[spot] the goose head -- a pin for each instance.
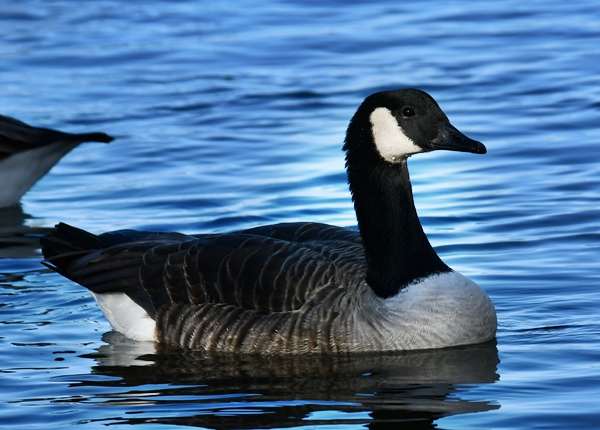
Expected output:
(393, 125)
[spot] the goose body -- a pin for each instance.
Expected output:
(27, 153)
(298, 287)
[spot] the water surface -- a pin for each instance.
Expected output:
(230, 116)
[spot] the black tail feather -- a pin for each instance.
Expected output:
(94, 137)
(15, 136)
(66, 244)
(66, 240)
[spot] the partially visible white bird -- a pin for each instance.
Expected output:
(27, 153)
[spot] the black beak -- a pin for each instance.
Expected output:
(453, 140)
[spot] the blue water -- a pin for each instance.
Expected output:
(230, 115)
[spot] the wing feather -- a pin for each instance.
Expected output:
(268, 269)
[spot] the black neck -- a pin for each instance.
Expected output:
(396, 247)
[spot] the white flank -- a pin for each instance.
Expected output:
(126, 316)
(390, 140)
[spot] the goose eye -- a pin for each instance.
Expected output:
(408, 112)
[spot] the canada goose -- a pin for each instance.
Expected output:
(298, 287)
(27, 153)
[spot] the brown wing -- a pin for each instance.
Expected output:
(268, 269)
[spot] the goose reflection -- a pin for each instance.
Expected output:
(17, 239)
(411, 389)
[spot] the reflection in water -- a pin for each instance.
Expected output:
(18, 240)
(233, 391)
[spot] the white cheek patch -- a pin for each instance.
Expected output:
(390, 140)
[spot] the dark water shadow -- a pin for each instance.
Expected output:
(17, 240)
(399, 390)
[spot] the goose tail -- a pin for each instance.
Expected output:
(66, 244)
(66, 238)
(94, 137)
(72, 253)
